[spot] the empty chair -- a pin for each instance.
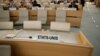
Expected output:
(42, 15)
(62, 5)
(23, 15)
(60, 26)
(6, 25)
(32, 25)
(45, 4)
(29, 5)
(60, 15)
(52, 5)
(4, 15)
(5, 50)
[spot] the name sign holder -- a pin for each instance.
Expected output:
(47, 37)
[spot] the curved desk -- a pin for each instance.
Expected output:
(70, 44)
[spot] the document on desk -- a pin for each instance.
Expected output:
(49, 36)
(38, 36)
(5, 33)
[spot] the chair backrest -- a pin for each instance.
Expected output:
(1, 7)
(73, 9)
(52, 5)
(4, 15)
(61, 5)
(34, 8)
(49, 8)
(6, 25)
(42, 15)
(32, 25)
(12, 9)
(45, 4)
(22, 9)
(60, 15)
(40, 8)
(29, 5)
(5, 50)
(23, 12)
(23, 15)
(60, 26)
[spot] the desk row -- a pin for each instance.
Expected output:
(49, 11)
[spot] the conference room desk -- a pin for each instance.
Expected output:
(69, 43)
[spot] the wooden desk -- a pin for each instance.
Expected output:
(29, 47)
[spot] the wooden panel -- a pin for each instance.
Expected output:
(74, 21)
(74, 13)
(97, 3)
(14, 19)
(50, 19)
(84, 39)
(22, 48)
(33, 18)
(86, 42)
(32, 12)
(14, 13)
(33, 48)
(51, 13)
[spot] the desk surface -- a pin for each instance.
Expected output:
(66, 37)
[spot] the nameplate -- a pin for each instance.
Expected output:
(12, 8)
(10, 36)
(48, 37)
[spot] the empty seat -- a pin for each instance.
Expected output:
(45, 4)
(32, 25)
(62, 5)
(60, 26)
(29, 5)
(5, 50)
(52, 5)
(4, 15)
(23, 15)
(6, 25)
(60, 15)
(42, 15)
